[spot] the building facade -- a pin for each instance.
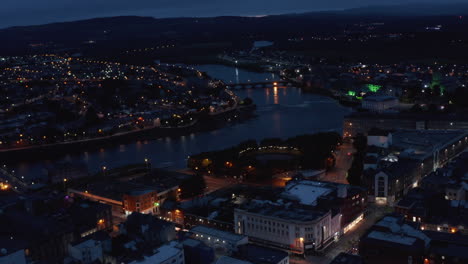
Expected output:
(287, 226)
(380, 103)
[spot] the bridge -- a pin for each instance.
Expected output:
(259, 84)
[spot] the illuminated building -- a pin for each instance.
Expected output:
(227, 241)
(286, 226)
(380, 103)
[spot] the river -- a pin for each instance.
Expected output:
(281, 112)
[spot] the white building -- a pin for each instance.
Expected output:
(172, 253)
(306, 192)
(86, 251)
(379, 138)
(219, 239)
(380, 103)
(287, 226)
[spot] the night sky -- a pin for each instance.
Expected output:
(30, 12)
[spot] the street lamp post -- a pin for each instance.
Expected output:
(147, 164)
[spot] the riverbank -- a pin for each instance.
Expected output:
(204, 123)
(284, 112)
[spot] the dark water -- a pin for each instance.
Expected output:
(281, 112)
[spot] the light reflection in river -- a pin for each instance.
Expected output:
(290, 113)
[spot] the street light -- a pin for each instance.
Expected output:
(147, 164)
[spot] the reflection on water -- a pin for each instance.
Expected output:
(281, 112)
(235, 75)
(275, 95)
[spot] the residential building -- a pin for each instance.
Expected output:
(12, 251)
(379, 138)
(413, 155)
(87, 251)
(262, 255)
(344, 258)
(148, 228)
(197, 252)
(144, 194)
(171, 253)
(392, 241)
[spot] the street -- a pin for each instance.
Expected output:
(349, 240)
(344, 158)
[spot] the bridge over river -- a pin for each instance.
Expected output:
(247, 85)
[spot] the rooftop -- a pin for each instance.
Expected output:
(344, 258)
(390, 237)
(261, 255)
(217, 233)
(424, 142)
(229, 260)
(162, 254)
(307, 192)
(285, 212)
(86, 244)
(402, 230)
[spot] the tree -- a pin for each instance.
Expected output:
(357, 167)
(356, 170)
(271, 142)
(416, 108)
(360, 143)
(91, 117)
(247, 101)
(192, 186)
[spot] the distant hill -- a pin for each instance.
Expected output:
(421, 9)
(120, 33)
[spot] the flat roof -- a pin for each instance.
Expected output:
(402, 230)
(261, 255)
(229, 260)
(232, 237)
(284, 212)
(424, 142)
(307, 192)
(345, 258)
(163, 253)
(191, 242)
(390, 237)
(86, 243)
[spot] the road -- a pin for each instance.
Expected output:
(349, 240)
(344, 159)
(215, 183)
